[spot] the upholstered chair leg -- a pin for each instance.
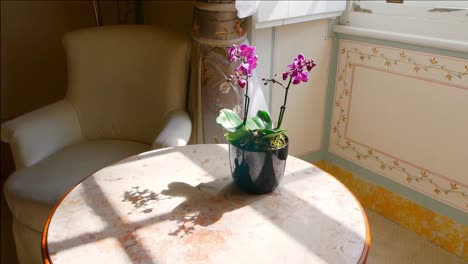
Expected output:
(28, 244)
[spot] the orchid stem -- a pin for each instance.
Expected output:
(283, 107)
(247, 102)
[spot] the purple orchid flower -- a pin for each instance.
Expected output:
(242, 83)
(233, 53)
(244, 69)
(296, 69)
(300, 77)
(245, 54)
(246, 51)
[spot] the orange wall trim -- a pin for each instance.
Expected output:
(438, 229)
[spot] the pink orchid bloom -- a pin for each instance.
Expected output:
(296, 69)
(233, 53)
(244, 69)
(246, 54)
(246, 51)
(300, 77)
(310, 64)
(241, 83)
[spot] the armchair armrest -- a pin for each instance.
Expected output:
(176, 131)
(36, 135)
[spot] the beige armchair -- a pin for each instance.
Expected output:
(127, 88)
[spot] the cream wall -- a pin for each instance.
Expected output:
(32, 63)
(33, 66)
(175, 15)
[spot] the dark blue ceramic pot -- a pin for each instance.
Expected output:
(257, 171)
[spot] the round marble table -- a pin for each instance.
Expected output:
(179, 205)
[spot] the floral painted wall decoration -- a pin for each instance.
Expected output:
(404, 67)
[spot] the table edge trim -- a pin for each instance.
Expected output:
(367, 242)
(44, 249)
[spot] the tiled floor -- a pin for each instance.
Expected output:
(393, 244)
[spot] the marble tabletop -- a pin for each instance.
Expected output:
(179, 205)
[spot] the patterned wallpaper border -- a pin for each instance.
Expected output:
(423, 66)
(346, 136)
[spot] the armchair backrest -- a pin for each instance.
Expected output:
(123, 80)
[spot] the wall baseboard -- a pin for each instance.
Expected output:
(439, 229)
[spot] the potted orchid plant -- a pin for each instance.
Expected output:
(258, 148)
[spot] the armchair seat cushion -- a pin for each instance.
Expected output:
(32, 192)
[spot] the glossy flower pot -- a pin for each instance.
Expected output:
(257, 171)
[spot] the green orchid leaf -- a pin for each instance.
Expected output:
(280, 130)
(265, 119)
(266, 131)
(251, 125)
(260, 124)
(271, 133)
(229, 120)
(238, 135)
